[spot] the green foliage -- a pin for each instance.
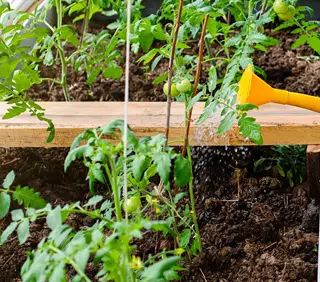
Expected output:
(289, 161)
(8, 181)
(144, 153)
(157, 272)
(182, 171)
(146, 157)
(15, 82)
(4, 204)
(65, 248)
(22, 195)
(250, 129)
(28, 197)
(98, 55)
(102, 149)
(308, 30)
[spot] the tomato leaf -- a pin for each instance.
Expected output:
(7, 182)
(59, 273)
(182, 171)
(113, 72)
(54, 218)
(28, 197)
(7, 232)
(184, 238)
(68, 34)
(250, 129)
(146, 39)
(246, 107)
(163, 163)
(139, 165)
(226, 123)
(23, 231)
(300, 41)
(4, 204)
(161, 78)
(156, 271)
(314, 43)
(93, 201)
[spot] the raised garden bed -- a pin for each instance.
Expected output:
(268, 234)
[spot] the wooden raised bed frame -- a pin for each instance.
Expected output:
(280, 125)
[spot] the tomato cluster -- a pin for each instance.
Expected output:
(182, 86)
(284, 10)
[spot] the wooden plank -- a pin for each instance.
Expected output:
(313, 171)
(280, 124)
(34, 5)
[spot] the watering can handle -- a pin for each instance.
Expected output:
(296, 99)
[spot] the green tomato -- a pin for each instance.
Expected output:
(174, 91)
(280, 7)
(133, 204)
(288, 16)
(184, 86)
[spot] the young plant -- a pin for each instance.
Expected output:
(60, 35)
(289, 162)
(148, 157)
(98, 54)
(108, 243)
(19, 64)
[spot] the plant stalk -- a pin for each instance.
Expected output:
(71, 262)
(61, 53)
(209, 49)
(196, 83)
(85, 23)
(193, 205)
(115, 189)
(170, 70)
(63, 72)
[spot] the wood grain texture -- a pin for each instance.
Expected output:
(280, 124)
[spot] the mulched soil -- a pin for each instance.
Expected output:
(270, 235)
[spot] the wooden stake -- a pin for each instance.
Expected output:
(196, 83)
(313, 171)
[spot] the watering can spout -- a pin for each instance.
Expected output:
(253, 90)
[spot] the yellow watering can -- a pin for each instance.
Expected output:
(253, 90)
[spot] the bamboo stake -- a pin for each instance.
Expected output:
(196, 83)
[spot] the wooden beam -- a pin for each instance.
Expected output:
(313, 171)
(280, 124)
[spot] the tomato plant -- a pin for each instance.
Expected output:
(113, 253)
(234, 30)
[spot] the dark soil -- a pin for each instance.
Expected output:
(270, 235)
(266, 237)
